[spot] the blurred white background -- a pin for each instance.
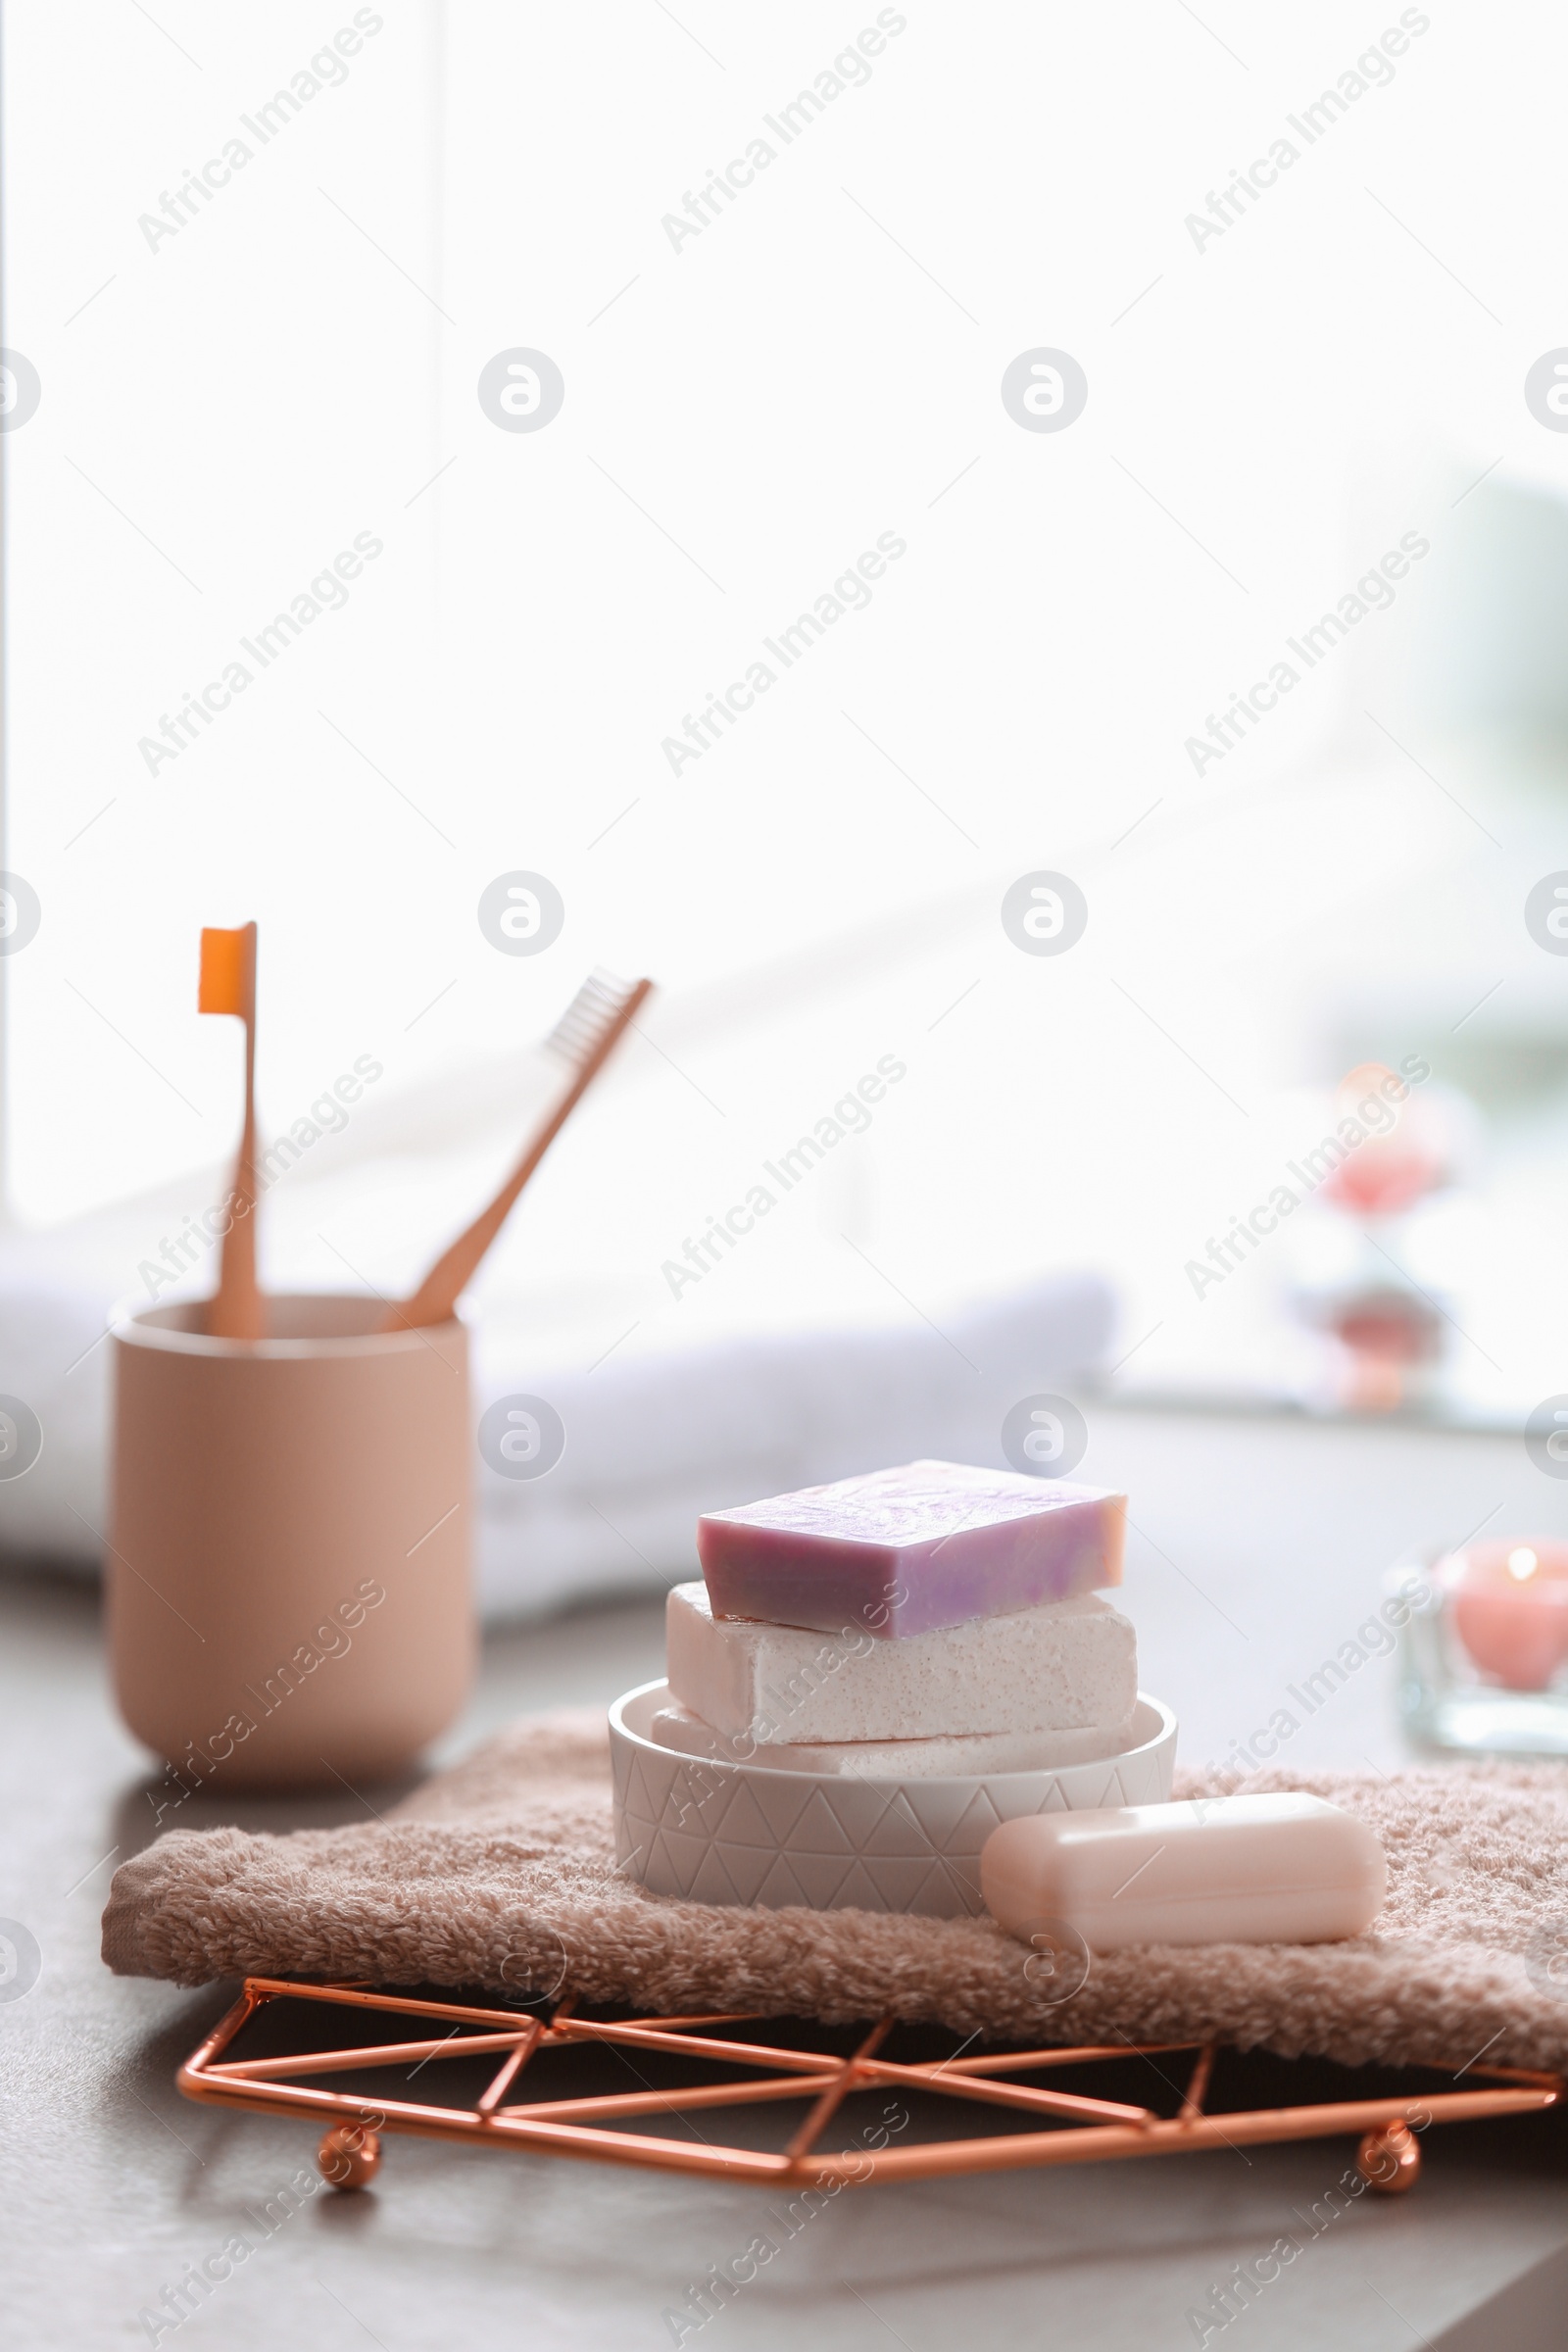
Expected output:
(226, 408)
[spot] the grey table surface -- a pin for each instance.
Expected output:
(1258, 1547)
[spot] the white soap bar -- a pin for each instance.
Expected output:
(1286, 1868)
(1066, 1665)
(957, 1755)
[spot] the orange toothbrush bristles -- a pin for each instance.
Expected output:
(225, 977)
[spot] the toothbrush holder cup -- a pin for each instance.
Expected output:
(289, 1590)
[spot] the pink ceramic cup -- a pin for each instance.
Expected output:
(288, 1584)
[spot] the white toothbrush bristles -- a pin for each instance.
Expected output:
(590, 1014)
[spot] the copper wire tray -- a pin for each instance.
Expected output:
(1389, 2156)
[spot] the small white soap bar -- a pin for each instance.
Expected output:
(958, 1756)
(1286, 1868)
(1065, 1665)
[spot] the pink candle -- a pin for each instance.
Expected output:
(1510, 1607)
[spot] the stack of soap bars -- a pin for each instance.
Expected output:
(931, 1620)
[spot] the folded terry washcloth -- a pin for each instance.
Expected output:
(502, 1872)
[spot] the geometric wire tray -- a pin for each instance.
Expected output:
(1080, 2130)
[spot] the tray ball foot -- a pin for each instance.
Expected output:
(1390, 2160)
(350, 2156)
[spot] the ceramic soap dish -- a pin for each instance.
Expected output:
(720, 1833)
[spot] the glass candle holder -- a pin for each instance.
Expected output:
(1484, 1649)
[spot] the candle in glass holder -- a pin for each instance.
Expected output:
(1509, 1604)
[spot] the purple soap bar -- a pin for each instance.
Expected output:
(904, 1552)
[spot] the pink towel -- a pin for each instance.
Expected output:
(502, 1872)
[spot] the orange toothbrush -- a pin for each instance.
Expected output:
(228, 985)
(585, 1036)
